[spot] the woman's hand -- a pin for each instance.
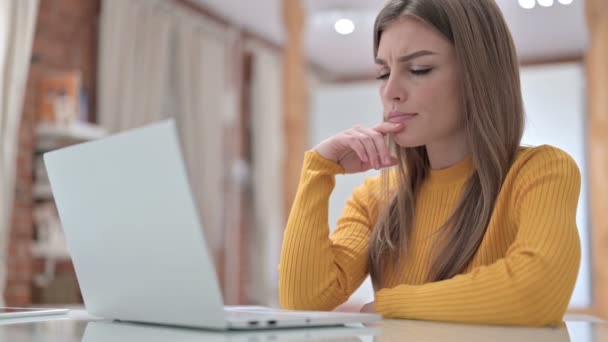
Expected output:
(369, 308)
(360, 148)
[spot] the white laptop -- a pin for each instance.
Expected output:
(12, 312)
(136, 240)
(102, 331)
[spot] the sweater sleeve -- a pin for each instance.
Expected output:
(316, 271)
(533, 283)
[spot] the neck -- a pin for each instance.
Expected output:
(443, 154)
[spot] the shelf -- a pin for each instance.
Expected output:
(43, 191)
(50, 137)
(51, 255)
(47, 251)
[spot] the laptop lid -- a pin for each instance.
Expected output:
(133, 230)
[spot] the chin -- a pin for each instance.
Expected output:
(407, 141)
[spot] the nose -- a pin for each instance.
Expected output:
(394, 90)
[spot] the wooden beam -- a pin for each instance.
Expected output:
(597, 123)
(581, 311)
(330, 77)
(295, 98)
(574, 58)
(199, 8)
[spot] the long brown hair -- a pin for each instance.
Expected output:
(493, 119)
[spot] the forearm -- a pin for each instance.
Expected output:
(526, 288)
(308, 272)
(532, 284)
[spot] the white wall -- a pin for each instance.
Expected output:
(334, 109)
(553, 97)
(555, 109)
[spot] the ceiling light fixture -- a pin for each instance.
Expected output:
(344, 26)
(527, 4)
(530, 4)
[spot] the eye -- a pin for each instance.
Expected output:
(421, 72)
(383, 76)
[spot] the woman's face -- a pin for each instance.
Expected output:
(420, 84)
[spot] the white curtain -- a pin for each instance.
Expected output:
(267, 168)
(158, 60)
(133, 63)
(17, 23)
(201, 103)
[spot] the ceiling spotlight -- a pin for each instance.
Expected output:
(344, 26)
(565, 2)
(527, 4)
(545, 3)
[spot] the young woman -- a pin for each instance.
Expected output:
(463, 224)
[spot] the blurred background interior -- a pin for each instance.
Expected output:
(252, 85)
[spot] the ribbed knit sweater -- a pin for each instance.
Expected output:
(523, 273)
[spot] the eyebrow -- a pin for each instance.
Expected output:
(409, 57)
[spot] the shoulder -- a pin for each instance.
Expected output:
(370, 195)
(542, 160)
(370, 189)
(543, 168)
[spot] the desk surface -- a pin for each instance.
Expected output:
(77, 326)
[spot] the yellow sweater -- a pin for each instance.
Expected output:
(522, 274)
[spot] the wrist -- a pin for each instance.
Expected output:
(325, 155)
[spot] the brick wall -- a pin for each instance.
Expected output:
(65, 38)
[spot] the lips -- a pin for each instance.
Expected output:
(400, 117)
